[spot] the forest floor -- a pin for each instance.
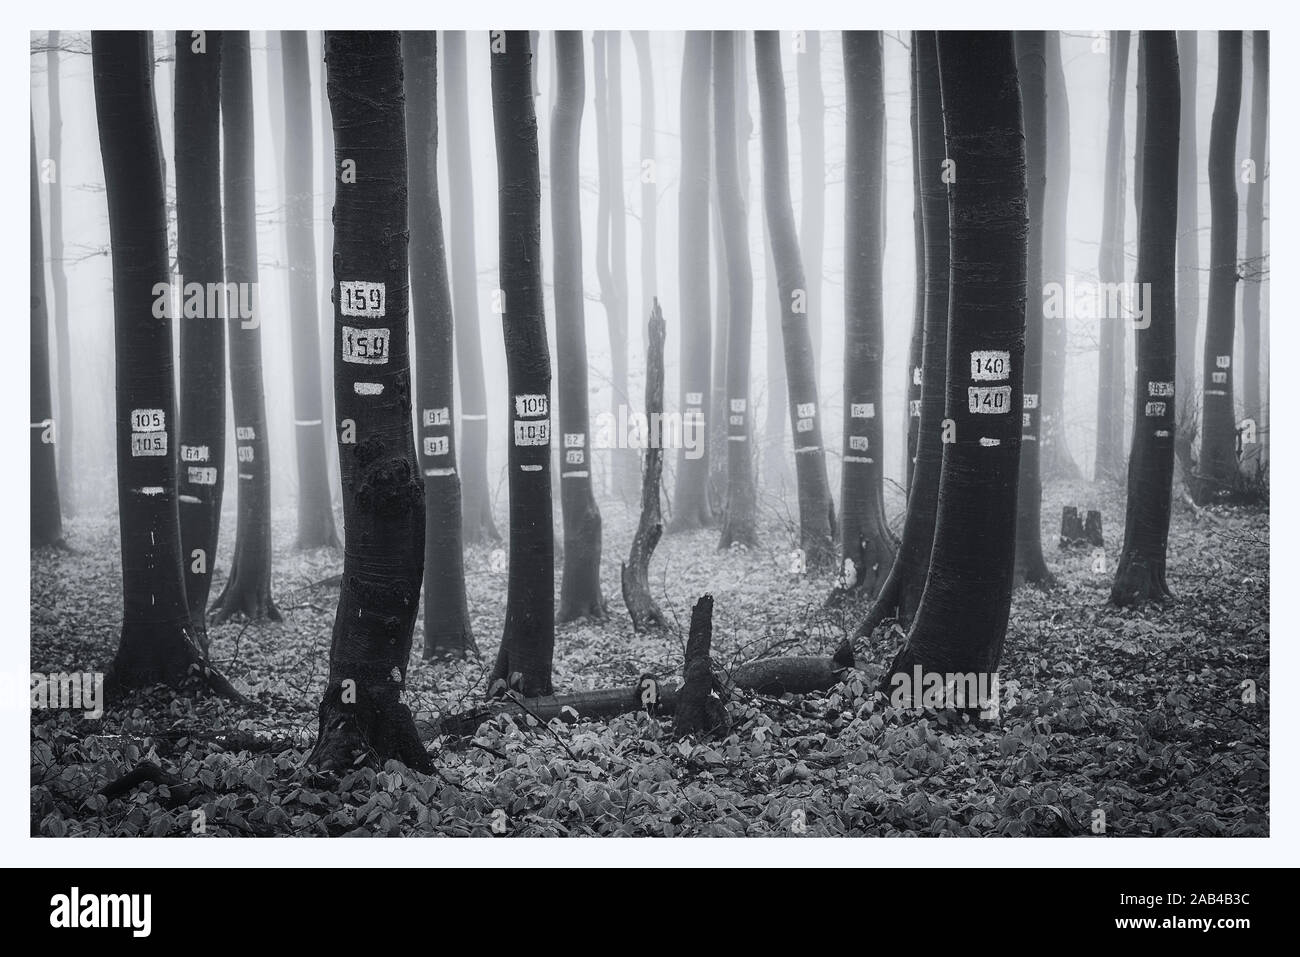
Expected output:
(1113, 723)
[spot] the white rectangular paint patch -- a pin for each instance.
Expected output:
(201, 475)
(245, 453)
(804, 425)
(1155, 409)
(858, 443)
(531, 406)
(436, 445)
(530, 468)
(1223, 362)
(578, 474)
(432, 417)
(439, 473)
(368, 347)
(366, 299)
(914, 408)
(694, 398)
(738, 405)
(1219, 378)
(989, 400)
(990, 365)
(245, 433)
(194, 453)
(990, 443)
(148, 420)
(574, 457)
(1160, 389)
(575, 440)
(859, 459)
(737, 420)
(148, 443)
(863, 410)
(1031, 400)
(806, 410)
(533, 433)
(916, 375)
(368, 388)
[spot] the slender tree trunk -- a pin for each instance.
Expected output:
(580, 593)
(739, 526)
(1189, 246)
(649, 199)
(59, 280)
(1057, 461)
(447, 631)
(476, 505)
(641, 606)
(47, 519)
(248, 589)
(362, 717)
(691, 499)
(962, 619)
(1255, 268)
(201, 261)
(1140, 575)
(1110, 267)
(1218, 464)
(812, 160)
(915, 348)
(719, 448)
(776, 468)
(524, 662)
(1031, 64)
(329, 179)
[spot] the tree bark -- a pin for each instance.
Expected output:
(329, 180)
(719, 447)
(776, 468)
(648, 176)
(1189, 244)
(47, 519)
(699, 709)
(915, 348)
(447, 631)
(59, 282)
(812, 160)
(641, 606)
(362, 716)
(1255, 268)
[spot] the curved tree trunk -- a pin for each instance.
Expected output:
(580, 593)
(447, 631)
(1255, 268)
(59, 281)
(641, 606)
(1189, 245)
(812, 160)
(362, 716)
(1140, 575)
(47, 519)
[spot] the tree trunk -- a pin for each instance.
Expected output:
(648, 174)
(641, 606)
(59, 282)
(329, 181)
(1189, 245)
(962, 619)
(719, 447)
(580, 593)
(776, 468)
(1140, 575)
(476, 505)
(523, 664)
(1218, 461)
(1255, 268)
(691, 499)
(315, 509)
(812, 161)
(864, 533)
(248, 588)
(1110, 267)
(739, 526)
(200, 260)
(901, 593)
(447, 631)
(1031, 64)
(915, 347)
(699, 710)
(1057, 461)
(47, 519)
(362, 716)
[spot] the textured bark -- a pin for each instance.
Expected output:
(962, 619)
(47, 519)
(777, 478)
(912, 390)
(718, 445)
(1255, 269)
(812, 160)
(447, 631)
(1189, 243)
(699, 709)
(362, 716)
(865, 538)
(649, 187)
(816, 527)
(1031, 65)
(1140, 575)
(329, 181)
(476, 504)
(691, 499)
(315, 509)
(523, 663)
(200, 259)
(739, 526)
(580, 592)
(1218, 460)
(641, 606)
(59, 282)
(248, 588)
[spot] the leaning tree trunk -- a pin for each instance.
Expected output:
(476, 506)
(1110, 267)
(1189, 243)
(362, 717)
(1140, 575)
(523, 664)
(962, 620)
(648, 167)
(812, 160)
(1053, 438)
(580, 594)
(200, 260)
(59, 277)
(1254, 270)
(447, 631)
(915, 344)
(739, 526)
(691, 498)
(865, 539)
(1031, 64)
(47, 519)
(315, 509)
(816, 527)
(1218, 460)
(900, 595)
(641, 606)
(248, 589)
(158, 640)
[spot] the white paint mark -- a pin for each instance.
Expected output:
(804, 425)
(575, 440)
(579, 474)
(530, 468)
(916, 375)
(1026, 420)
(1215, 392)
(990, 443)
(148, 443)
(368, 388)
(149, 490)
(1219, 378)
(738, 405)
(860, 459)
(1031, 400)
(858, 443)
(574, 457)
(991, 365)
(148, 420)
(914, 408)
(808, 448)
(694, 398)
(246, 476)
(190, 500)
(307, 423)
(533, 433)
(806, 410)
(1155, 409)
(439, 473)
(245, 433)
(1162, 433)
(472, 417)
(197, 475)
(737, 419)
(358, 298)
(531, 406)
(245, 453)
(194, 453)
(1160, 388)
(437, 445)
(1223, 362)
(432, 417)
(863, 410)
(367, 347)
(737, 438)
(989, 400)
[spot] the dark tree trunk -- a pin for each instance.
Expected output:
(447, 631)
(362, 717)
(648, 175)
(962, 619)
(812, 160)
(523, 664)
(315, 509)
(476, 504)
(699, 710)
(1255, 268)
(901, 593)
(691, 498)
(1031, 64)
(59, 282)
(200, 260)
(1057, 461)
(580, 593)
(641, 606)
(1110, 267)
(739, 526)
(47, 519)
(1189, 244)
(248, 589)
(915, 347)
(816, 531)
(1218, 461)
(329, 181)
(864, 532)
(1140, 575)
(776, 468)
